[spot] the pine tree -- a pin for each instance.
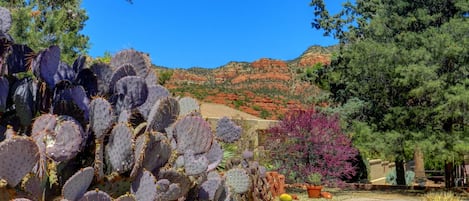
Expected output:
(42, 23)
(408, 61)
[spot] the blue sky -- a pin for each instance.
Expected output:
(204, 33)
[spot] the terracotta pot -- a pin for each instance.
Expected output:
(314, 191)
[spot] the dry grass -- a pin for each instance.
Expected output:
(441, 196)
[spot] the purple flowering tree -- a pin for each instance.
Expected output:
(305, 142)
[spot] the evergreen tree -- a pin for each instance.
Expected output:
(408, 60)
(43, 23)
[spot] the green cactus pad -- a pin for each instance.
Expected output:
(163, 113)
(192, 133)
(144, 186)
(95, 195)
(188, 105)
(76, 185)
(238, 180)
(101, 116)
(18, 155)
(119, 148)
(227, 130)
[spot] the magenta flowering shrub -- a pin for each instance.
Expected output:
(305, 142)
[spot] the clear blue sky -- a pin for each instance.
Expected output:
(204, 33)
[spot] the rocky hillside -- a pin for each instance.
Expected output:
(265, 88)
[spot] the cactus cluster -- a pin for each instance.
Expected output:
(105, 132)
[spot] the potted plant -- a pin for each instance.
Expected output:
(314, 187)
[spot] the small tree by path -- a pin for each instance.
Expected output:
(305, 142)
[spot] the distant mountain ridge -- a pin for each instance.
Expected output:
(266, 88)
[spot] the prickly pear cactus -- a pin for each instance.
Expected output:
(5, 17)
(119, 148)
(66, 141)
(130, 92)
(227, 130)
(141, 62)
(4, 88)
(155, 93)
(18, 156)
(95, 195)
(119, 73)
(32, 185)
(212, 188)
(144, 186)
(214, 156)
(238, 180)
(24, 101)
(177, 186)
(193, 133)
(101, 116)
(126, 197)
(163, 113)
(188, 105)
(77, 184)
(103, 73)
(194, 165)
(45, 65)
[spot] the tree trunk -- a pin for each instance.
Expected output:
(419, 163)
(400, 171)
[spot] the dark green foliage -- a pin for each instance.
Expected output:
(407, 61)
(41, 24)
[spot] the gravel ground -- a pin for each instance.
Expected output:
(362, 196)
